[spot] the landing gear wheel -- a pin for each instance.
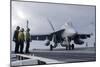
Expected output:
(66, 47)
(72, 46)
(51, 47)
(69, 47)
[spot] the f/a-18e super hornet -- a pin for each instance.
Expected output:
(63, 36)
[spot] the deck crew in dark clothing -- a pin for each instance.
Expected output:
(15, 39)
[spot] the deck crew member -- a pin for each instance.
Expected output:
(15, 39)
(28, 40)
(21, 38)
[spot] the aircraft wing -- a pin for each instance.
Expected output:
(78, 38)
(82, 36)
(47, 36)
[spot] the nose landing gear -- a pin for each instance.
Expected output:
(51, 47)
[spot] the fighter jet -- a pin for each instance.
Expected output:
(64, 36)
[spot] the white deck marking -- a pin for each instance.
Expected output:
(33, 59)
(24, 62)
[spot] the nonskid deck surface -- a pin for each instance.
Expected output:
(76, 55)
(62, 50)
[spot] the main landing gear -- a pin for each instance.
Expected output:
(70, 47)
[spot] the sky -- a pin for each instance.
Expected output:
(81, 17)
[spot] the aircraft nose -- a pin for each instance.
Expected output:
(72, 31)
